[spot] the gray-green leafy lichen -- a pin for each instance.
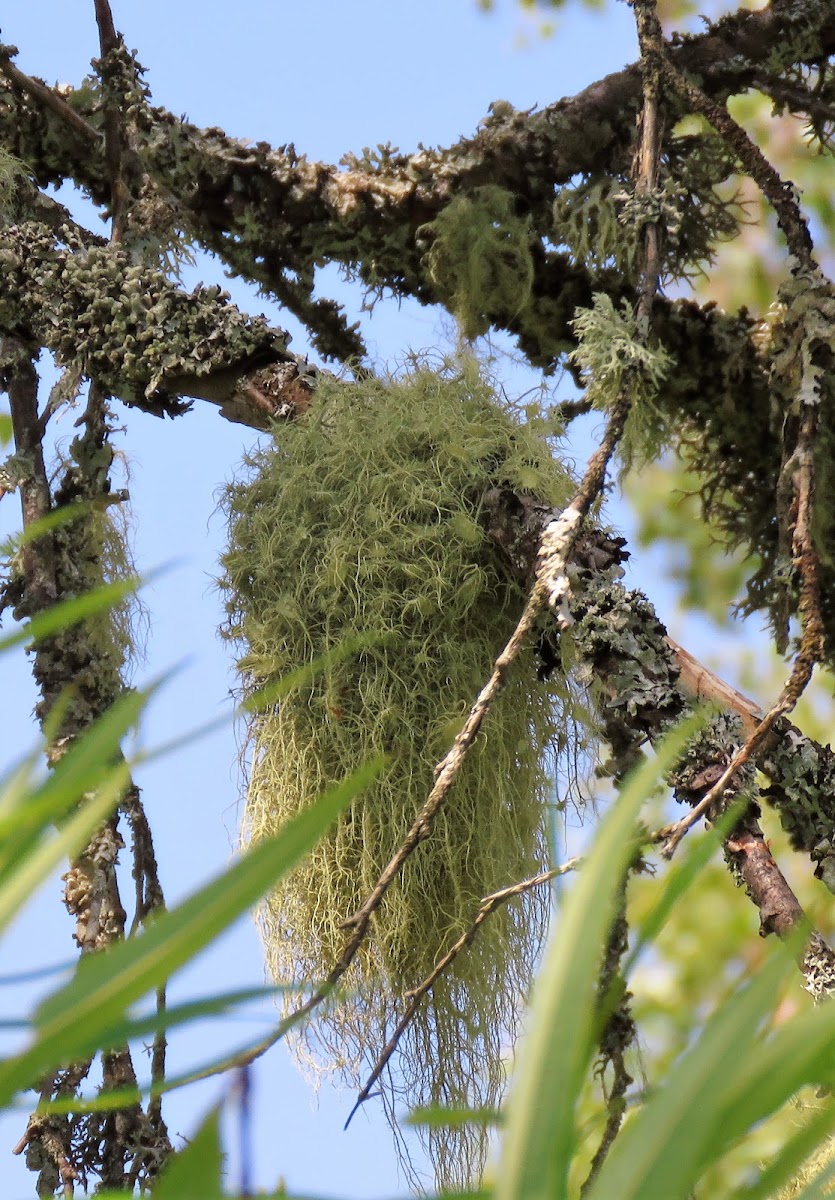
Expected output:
(124, 325)
(801, 787)
(624, 656)
(13, 471)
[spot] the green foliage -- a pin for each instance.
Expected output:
(42, 823)
(479, 258)
(540, 1141)
(195, 1173)
(79, 1018)
(365, 519)
(736, 1073)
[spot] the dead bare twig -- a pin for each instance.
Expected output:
(489, 904)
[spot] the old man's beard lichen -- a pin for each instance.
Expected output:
(364, 519)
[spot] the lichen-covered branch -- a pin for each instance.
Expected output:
(114, 119)
(625, 658)
(82, 664)
(274, 216)
(798, 465)
(142, 338)
(326, 208)
(19, 379)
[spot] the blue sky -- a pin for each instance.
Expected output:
(330, 77)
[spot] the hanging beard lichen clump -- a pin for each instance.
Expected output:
(364, 519)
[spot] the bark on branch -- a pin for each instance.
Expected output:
(643, 687)
(273, 216)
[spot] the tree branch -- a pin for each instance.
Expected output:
(115, 136)
(127, 1144)
(800, 464)
(140, 336)
(272, 215)
(19, 379)
(646, 683)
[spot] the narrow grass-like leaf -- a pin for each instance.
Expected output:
(36, 867)
(5, 429)
(106, 984)
(556, 1052)
(26, 812)
(17, 785)
(194, 1173)
(151, 1023)
(799, 1052)
(662, 1151)
(64, 515)
(123, 1097)
(791, 1157)
(131, 1028)
(19, 977)
(79, 771)
(819, 1188)
(679, 877)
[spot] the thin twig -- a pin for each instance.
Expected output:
(49, 99)
(115, 140)
(645, 168)
(782, 196)
(489, 904)
(783, 200)
(149, 898)
(242, 1090)
(619, 1031)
